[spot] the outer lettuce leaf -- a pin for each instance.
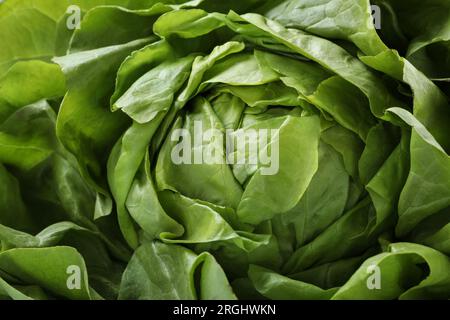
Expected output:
(401, 275)
(25, 265)
(337, 19)
(160, 272)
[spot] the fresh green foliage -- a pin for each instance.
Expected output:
(104, 195)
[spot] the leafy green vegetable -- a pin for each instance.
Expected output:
(202, 149)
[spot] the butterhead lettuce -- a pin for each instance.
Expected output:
(204, 149)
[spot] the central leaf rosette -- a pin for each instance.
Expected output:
(247, 149)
